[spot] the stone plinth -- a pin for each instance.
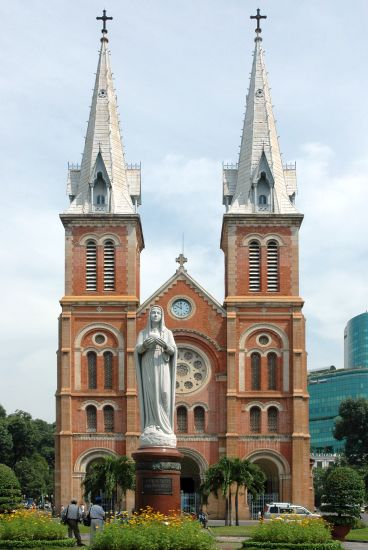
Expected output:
(158, 478)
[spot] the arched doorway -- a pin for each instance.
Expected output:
(190, 480)
(275, 468)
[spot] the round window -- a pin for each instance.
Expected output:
(263, 340)
(192, 371)
(100, 339)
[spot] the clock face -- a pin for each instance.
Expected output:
(181, 308)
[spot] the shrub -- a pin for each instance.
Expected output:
(7, 544)
(28, 525)
(154, 531)
(343, 494)
(294, 530)
(10, 495)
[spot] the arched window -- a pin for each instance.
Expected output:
(262, 200)
(254, 266)
(108, 413)
(272, 266)
(109, 265)
(272, 370)
(91, 414)
(272, 419)
(255, 419)
(92, 370)
(182, 419)
(255, 365)
(108, 370)
(91, 265)
(199, 419)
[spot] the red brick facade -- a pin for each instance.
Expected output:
(267, 424)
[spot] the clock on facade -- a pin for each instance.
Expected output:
(181, 308)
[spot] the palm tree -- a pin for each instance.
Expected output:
(226, 472)
(247, 475)
(112, 475)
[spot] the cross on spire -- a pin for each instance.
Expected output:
(258, 28)
(104, 18)
(181, 260)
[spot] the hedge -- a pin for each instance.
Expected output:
(252, 545)
(66, 543)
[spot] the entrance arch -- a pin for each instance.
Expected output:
(277, 470)
(193, 466)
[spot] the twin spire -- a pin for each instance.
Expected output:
(259, 183)
(104, 183)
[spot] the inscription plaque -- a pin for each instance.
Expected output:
(157, 486)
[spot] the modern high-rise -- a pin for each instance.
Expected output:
(356, 342)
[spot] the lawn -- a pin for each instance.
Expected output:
(233, 531)
(358, 534)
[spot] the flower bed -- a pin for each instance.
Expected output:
(30, 529)
(154, 531)
(292, 533)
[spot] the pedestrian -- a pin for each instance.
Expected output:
(97, 515)
(71, 516)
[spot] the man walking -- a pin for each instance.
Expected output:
(72, 516)
(97, 515)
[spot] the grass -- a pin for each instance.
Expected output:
(233, 531)
(358, 534)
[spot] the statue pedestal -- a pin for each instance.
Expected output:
(158, 478)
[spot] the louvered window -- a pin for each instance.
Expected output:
(108, 418)
(182, 419)
(109, 265)
(91, 413)
(254, 266)
(92, 370)
(272, 370)
(255, 360)
(272, 419)
(108, 370)
(199, 419)
(255, 419)
(91, 265)
(272, 266)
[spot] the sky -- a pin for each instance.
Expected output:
(181, 70)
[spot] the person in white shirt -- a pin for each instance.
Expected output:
(97, 515)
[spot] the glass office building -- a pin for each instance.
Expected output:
(356, 342)
(327, 388)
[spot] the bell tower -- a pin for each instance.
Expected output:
(267, 399)
(96, 397)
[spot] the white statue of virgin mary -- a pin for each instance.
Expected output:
(155, 360)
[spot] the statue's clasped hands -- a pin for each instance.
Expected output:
(153, 341)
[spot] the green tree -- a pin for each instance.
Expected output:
(34, 476)
(352, 427)
(10, 494)
(6, 444)
(113, 476)
(23, 434)
(343, 494)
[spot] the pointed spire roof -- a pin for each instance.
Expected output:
(259, 154)
(103, 155)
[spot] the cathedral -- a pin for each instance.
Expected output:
(241, 381)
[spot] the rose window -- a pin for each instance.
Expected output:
(191, 372)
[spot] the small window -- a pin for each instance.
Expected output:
(91, 414)
(262, 200)
(255, 419)
(199, 419)
(92, 370)
(272, 370)
(272, 419)
(91, 265)
(255, 360)
(109, 265)
(108, 418)
(272, 266)
(254, 266)
(100, 200)
(182, 419)
(108, 370)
